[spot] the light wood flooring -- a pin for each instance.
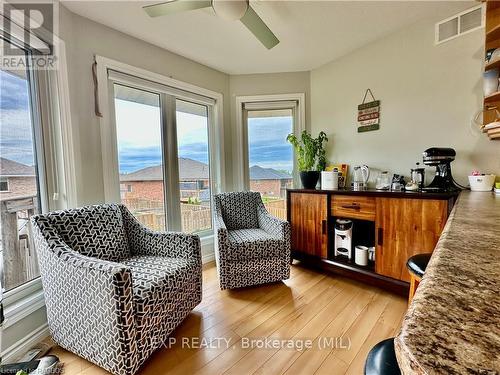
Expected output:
(309, 306)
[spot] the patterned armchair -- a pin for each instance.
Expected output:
(114, 290)
(253, 247)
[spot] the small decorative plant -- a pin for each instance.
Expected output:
(311, 156)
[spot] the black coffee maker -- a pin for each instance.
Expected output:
(441, 158)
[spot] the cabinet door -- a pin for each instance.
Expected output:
(406, 227)
(308, 220)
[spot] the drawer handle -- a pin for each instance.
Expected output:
(353, 206)
(380, 237)
(323, 227)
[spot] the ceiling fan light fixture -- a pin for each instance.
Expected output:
(230, 10)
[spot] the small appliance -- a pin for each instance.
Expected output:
(343, 238)
(360, 177)
(418, 176)
(441, 158)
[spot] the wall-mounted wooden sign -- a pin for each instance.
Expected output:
(368, 114)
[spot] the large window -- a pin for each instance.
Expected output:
(19, 170)
(162, 137)
(138, 132)
(194, 170)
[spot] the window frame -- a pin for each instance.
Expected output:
(24, 299)
(169, 90)
(294, 101)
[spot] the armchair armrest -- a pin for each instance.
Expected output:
(96, 294)
(220, 230)
(273, 225)
(144, 241)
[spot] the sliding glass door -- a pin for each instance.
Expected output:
(162, 137)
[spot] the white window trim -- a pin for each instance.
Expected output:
(108, 127)
(23, 300)
(240, 152)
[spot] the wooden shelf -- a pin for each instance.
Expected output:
(495, 97)
(493, 34)
(344, 260)
(492, 65)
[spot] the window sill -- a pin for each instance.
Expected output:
(23, 301)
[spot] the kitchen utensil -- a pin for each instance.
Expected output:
(383, 181)
(329, 180)
(361, 255)
(482, 183)
(360, 177)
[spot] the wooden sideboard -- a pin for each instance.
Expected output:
(398, 224)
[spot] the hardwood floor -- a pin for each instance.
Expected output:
(342, 320)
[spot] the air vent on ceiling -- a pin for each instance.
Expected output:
(459, 24)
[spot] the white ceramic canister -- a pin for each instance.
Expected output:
(329, 180)
(361, 255)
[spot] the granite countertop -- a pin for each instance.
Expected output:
(453, 323)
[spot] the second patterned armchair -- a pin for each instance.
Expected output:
(253, 247)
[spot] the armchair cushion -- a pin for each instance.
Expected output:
(94, 231)
(156, 281)
(239, 211)
(253, 244)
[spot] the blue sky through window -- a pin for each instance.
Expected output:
(16, 138)
(267, 143)
(139, 138)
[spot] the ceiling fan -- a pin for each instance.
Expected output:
(228, 9)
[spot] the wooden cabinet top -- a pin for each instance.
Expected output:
(380, 193)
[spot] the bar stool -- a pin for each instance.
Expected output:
(381, 360)
(416, 265)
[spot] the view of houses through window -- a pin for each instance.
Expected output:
(142, 182)
(270, 156)
(19, 190)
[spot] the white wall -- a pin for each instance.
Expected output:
(428, 95)
(84, 39)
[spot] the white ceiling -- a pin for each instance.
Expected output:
(311, 33)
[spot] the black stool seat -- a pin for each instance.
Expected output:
(381, 359)
(418, 263)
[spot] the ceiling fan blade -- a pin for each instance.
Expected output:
(175, 6)
(258, 28)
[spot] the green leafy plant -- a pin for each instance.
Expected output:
(310, 152)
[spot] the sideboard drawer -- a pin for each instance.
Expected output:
(353, 207)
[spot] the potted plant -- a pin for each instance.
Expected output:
(311, 157)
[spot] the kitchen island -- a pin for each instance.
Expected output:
(453, 323)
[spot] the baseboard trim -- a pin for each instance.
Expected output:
(22, 346)
(207, 258)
